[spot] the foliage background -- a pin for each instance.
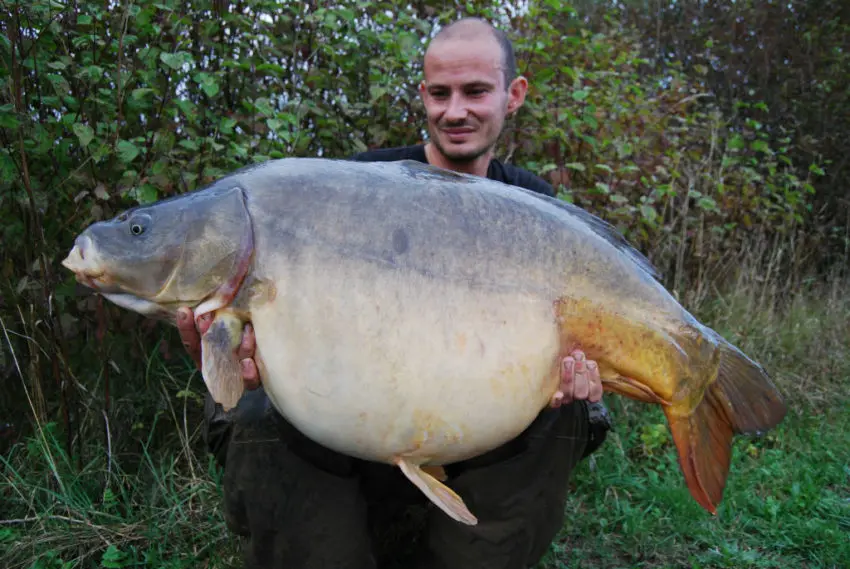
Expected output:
(713, 134)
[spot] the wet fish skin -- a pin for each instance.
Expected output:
(416, 316)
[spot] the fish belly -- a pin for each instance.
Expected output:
(380, 364)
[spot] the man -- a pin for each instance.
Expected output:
(298, 505)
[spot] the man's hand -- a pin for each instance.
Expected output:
(579, 380)
(191, 337)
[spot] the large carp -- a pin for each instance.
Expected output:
(416, 316)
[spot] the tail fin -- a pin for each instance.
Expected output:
(753, 404)
(742, 400)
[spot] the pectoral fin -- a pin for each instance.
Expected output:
(444, 497)
(220, 366)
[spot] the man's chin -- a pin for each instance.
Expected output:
(461, 153)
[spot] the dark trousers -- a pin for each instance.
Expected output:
(297, 505)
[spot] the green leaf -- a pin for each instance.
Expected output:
(761, 146)
(8, 118)
(736, 142)
(84, 132)
(141, 92)
(580, 94)
(210, 88)
(707, 203)
(649, 214)
(208, 83)
(264, 106)
(93, 72)
(8, 170)
(127, 151)
(226, 125)
(575, 166)
(175, 60)
(145, 194)
(376, 92)
(113, 558)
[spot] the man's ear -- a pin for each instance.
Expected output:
(422, 88)
(516, 93)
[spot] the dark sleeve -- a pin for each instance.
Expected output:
(526, 179)
(521, 177)
(367, 156)
(391, 154)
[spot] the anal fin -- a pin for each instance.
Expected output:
(444, 497)
(629, 387)
(437, 472)
(219, 365)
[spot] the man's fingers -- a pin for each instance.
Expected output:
(204, 323)
(581, 383)
(245, 353)
(594, 393)
(565, 393)
(189, 335)
(250, 375)
(248, 344)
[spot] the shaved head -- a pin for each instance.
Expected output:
(469, 29)
(469, 87)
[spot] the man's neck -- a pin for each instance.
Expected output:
(477, 167)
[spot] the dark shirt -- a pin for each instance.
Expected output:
(497, 170)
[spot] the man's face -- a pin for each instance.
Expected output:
(465, 97)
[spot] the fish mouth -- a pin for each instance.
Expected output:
(85, 268)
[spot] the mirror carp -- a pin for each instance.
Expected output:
(417, 317)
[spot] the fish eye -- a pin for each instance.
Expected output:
(139, 224)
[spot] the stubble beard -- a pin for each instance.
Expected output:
(462, 156)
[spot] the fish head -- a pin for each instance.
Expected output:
(178, 252)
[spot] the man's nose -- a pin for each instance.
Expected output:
(456, 109)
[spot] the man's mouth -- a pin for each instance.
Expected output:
(458, 133)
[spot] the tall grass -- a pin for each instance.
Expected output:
(156, 506)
